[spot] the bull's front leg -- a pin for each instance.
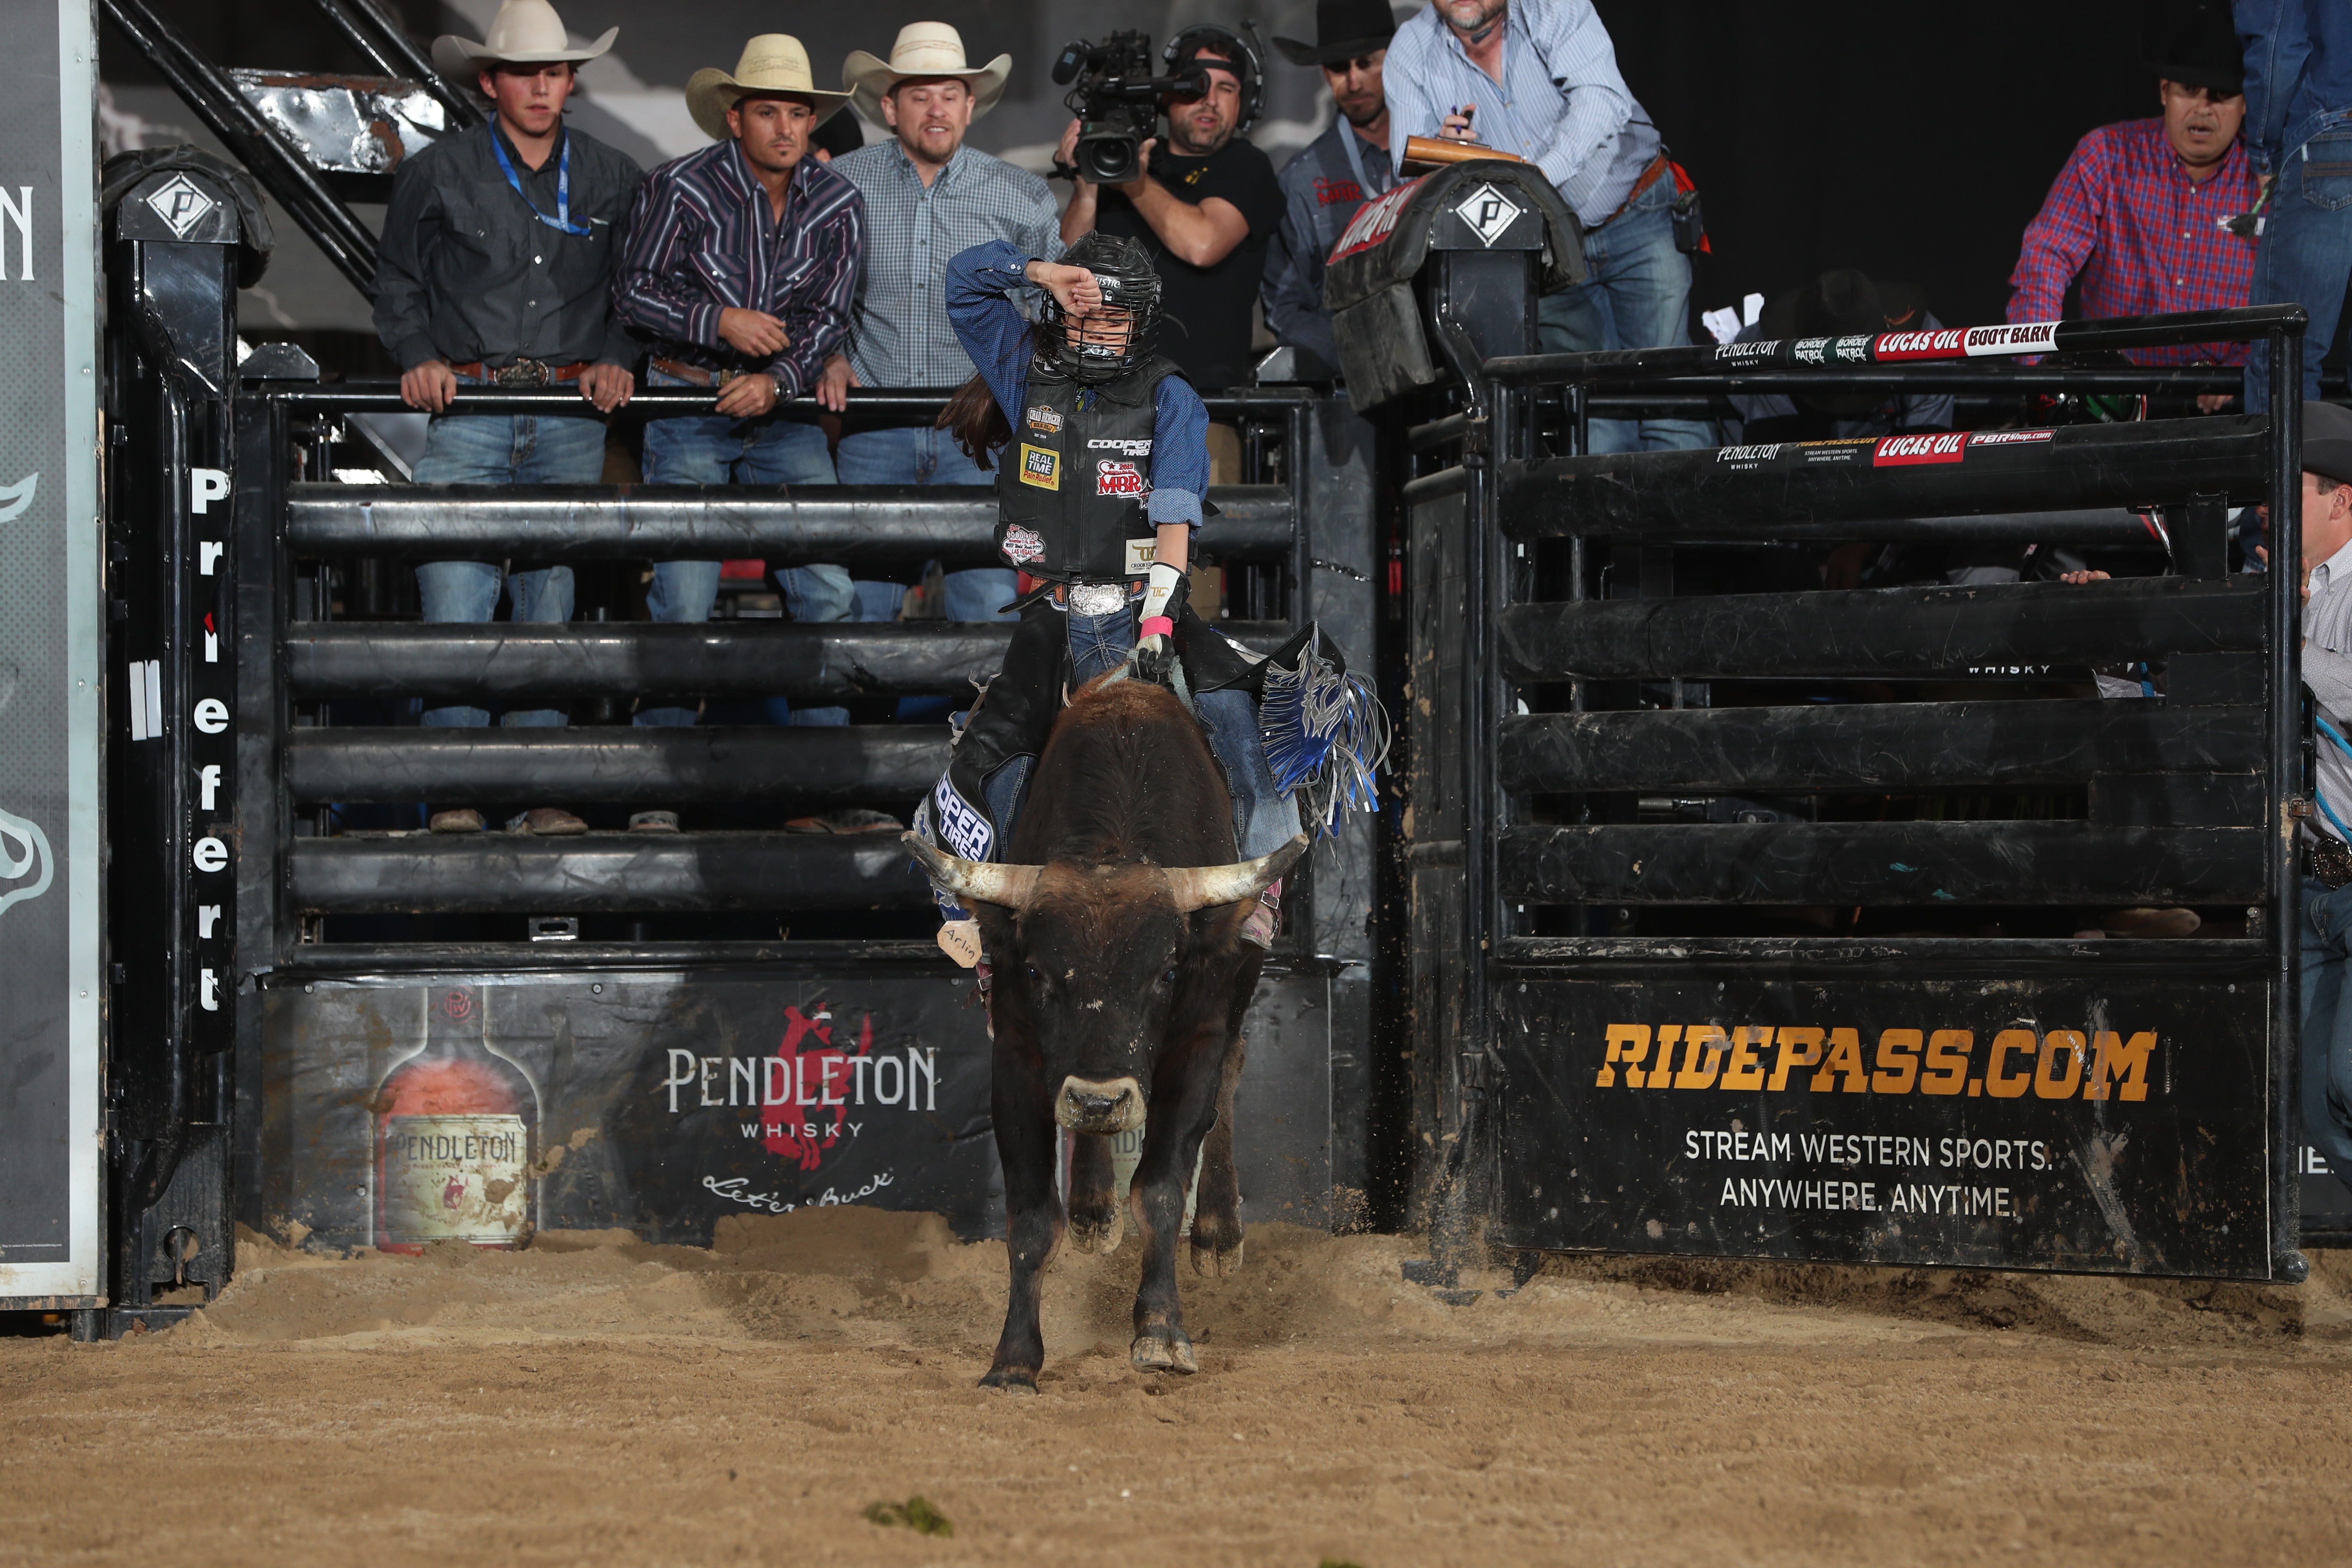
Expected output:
(1180, 1118)
(1026, 1144)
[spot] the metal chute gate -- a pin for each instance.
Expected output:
(1741, 908)
(658, 1030)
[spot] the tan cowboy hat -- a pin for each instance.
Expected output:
(772, 62)
(523, 33)
(923, 50)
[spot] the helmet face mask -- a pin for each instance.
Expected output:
(1106, 345)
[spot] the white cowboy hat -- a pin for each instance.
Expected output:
(923, 50)
(523, 33)
(772, 62)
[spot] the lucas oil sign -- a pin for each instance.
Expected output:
(2064, 1124)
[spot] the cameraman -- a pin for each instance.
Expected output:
(1203, 206)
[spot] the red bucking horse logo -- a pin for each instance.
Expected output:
(807, 1088)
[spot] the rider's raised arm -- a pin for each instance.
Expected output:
(1180, 453)
(980, 284)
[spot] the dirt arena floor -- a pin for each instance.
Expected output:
(594, 1400)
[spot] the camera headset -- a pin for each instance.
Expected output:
(1245, 61)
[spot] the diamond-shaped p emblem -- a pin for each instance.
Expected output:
(1487, 212)
(182, 205)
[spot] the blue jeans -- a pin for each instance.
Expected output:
(2304, 256)
(502, 450)
(2327, 1023)
(925, 457)
(712, 449)
(1636, 295)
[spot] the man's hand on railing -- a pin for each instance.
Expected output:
(608, 386)
(752, 332)
(429, 387)
(748, 396)
(832, 387)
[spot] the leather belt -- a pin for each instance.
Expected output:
(523, 372)
(1650, 176)
(695, 375)
(2327, 859)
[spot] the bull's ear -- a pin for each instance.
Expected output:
(974, 881)
(1204, 887)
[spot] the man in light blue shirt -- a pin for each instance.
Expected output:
(1538, 79)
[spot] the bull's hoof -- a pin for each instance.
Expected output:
(1097, 1233)
(1215, 1257)
(1163, 1350)
(1012, 1379)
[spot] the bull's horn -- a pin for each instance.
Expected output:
(971, 880)
(1200, 887)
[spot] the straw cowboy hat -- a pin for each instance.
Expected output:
(523, 33)
(772, 63)
(923, 50)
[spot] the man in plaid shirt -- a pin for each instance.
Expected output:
(2140, 212)
(929, 197)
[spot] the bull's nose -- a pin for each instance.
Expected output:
(1114, 1105)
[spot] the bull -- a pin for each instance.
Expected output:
(1114, 926)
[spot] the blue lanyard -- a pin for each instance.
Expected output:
(562, 218)
(2329, 730)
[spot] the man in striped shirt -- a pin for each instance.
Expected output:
(740, 263)
(2139, 215)
(1539, 79)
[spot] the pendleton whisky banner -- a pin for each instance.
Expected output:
(50, 998)
(2084, 1124)
(399, 1112)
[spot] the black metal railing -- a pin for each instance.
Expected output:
(313, 675)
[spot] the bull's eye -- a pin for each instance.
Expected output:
(1169, 978)
(1036, 976)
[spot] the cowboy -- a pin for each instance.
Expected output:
(929, 197)
(2140, 215)
(1204, 204)
(741, 262)
(495, 269)
(1334, 175)
(1539, 79)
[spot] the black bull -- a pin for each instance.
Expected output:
(1114, 927)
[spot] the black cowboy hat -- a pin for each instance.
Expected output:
(2327, 441)
(2196, 44)
(1343, 31)
(1842, 302)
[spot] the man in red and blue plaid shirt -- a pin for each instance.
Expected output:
(2139, 214)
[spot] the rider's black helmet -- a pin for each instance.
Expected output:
(1123, 269)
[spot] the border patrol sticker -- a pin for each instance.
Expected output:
(1113, 477)
(1048, 420)
(1021, 544)
(1040, 466)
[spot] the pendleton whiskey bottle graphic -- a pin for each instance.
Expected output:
(456, 1130)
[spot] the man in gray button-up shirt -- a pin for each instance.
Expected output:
(927, 198)
(496, 266)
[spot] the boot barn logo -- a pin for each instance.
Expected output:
(811, 1093)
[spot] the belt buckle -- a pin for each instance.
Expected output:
(521, 372)
(1098, 598)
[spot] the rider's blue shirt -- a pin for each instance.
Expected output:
(980, 287)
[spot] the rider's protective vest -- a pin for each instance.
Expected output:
(1074, 478)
